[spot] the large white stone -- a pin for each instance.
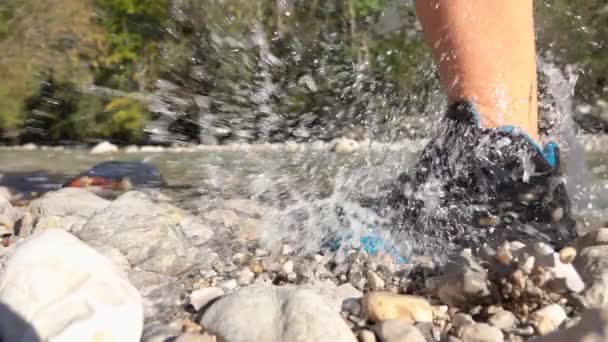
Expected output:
(66, 291)
(275, 314)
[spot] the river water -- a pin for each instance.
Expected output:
(306, 185)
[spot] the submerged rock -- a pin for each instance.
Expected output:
(268, 313)
(63, 290)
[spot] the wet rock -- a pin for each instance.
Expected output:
(598, 237)
(548, 319)
(201, 297)
(560, 276)
(593, 267)
(503, 320)
(67, 291)
(464, 282)
(397, 331)
(593, 327)
(151, 235)
(104, 147)
(66, 209)
(268, 313)
(481, 332)
(381, 306)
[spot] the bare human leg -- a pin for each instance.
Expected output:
(486, 55)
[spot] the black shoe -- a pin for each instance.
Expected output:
(474, 185)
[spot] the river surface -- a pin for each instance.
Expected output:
(304, 182)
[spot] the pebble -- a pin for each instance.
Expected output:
(548, 318)
(397, 331)
(201, 297)
(503, 320)
(229, 284)
(245, 277)
(567, 254)
(481, 332)
(380, 306)
(241, 258)
(287, 267)
(365, 335)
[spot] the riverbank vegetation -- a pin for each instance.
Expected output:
(215, 71)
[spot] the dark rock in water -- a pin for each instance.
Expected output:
(118, 175)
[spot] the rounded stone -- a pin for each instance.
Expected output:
(481, 332)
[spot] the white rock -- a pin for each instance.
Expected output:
(153, 236)
(503, 320)
(67, 292)
(344, 146)
(201, 297)
(245, 277)
(229, 284)
(275, 314)
(548, 318)
(287, 267)
(104, 147)
(67, 209)
(5, 193)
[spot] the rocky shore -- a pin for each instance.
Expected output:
(77, 267)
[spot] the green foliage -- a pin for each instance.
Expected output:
(6, 14)
(127, 118)
(365, 8)
(130, 26)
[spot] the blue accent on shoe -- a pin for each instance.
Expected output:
(372, 244)
(548, 152)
